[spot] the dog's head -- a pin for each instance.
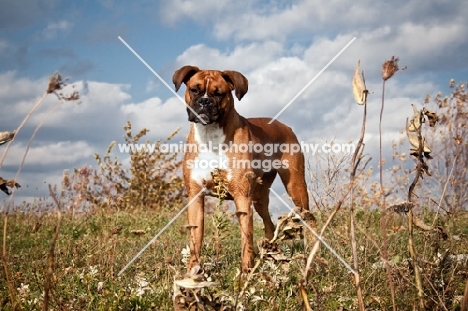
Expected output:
(209, 92)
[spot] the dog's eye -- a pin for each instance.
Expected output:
(218, 94)
(194, 91)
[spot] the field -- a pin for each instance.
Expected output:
(92, 248)
(400, 243)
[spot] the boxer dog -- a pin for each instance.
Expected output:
(247, 170)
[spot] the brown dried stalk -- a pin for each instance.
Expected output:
(11, 288)
(55, 84)
(389, 68)
(412, 250)
(357, 156)
(464, 304)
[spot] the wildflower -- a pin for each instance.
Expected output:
(185, 254)
(23, 291)
(93, 270)
(99, 287)
(143, 285)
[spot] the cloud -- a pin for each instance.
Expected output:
(49, 154)
(261, 20)
(14, 88)
(242, 57)
(202, 10)
(53, 29)
(418, 31)
(161, 118)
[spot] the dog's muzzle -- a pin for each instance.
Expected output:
(206, 109)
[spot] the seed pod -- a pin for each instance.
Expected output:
(359, 88)
(389, 68)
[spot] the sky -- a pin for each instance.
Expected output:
(280, 46)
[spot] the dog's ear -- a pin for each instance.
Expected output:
(183, 75)
(240, 83)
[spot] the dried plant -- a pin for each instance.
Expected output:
(420, 151)
(152, 180)
(389, 68)
(450, 146)
(5, 184)
(6, 137)
(359, 87)
(356, 159)
(55, 84)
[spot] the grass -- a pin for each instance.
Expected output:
(93, 247)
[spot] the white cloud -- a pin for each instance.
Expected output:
(160, 118)
(13, 87)
(241, 58)
(173, 11)
(426, 35)
(53, 29)
(46, 154)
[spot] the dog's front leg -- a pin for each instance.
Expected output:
(245, 217)
(196, 214)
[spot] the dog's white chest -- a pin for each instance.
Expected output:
(210, 140)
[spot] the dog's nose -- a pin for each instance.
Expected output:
(204, 101)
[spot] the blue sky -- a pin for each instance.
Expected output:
(278, 45)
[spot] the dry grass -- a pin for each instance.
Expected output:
(93, 247)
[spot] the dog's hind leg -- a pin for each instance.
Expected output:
(261, 200)
(296, 187)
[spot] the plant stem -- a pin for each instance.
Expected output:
(357, 154)
(21, 126)
(412, 250)
(383, 223)
(51, 254)
(11, 288)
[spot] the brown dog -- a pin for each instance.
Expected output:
(247, 153)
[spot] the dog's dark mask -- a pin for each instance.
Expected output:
(207, 106)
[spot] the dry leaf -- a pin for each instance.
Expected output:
(431, 117)
(359, 89)
(415, 122)
(138, 231)
(414, 140)
(404, 207)
(4, 184)
(6, 137)
(192, 284)
(194, 279)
